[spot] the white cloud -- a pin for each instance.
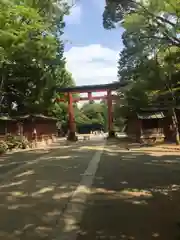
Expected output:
(75, 15)
(92, 64)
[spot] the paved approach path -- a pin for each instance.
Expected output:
(90, 190)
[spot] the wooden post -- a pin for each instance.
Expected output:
(139, 136)
(110, 114)
(90, 96)
(72, 127)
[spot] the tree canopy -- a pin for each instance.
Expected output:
(161, 17)
(150, 59)
(32, 64)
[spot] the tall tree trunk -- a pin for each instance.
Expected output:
(175, 126)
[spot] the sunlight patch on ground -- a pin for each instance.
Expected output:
(156, 152)
(42, 191)
(133, 196)
(12, 184)
(136, 193)
(57, 157)
(167, 189)
(112, 154)
(128, 157)
(19, 194)
(27, 173)
(137, 202)
(17, 206)
(123, 236)
(163, 163)
(155, 235)
(100, 148)
(58, 196)
(92, 148)
(166, 161)
(103, 190)
(53, 213)
(124, 182)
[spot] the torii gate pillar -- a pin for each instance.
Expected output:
(72, 126)
(111, 133)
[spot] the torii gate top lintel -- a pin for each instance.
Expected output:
(92, 88)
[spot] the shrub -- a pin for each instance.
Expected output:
(24, 144)
(12, 142)
(16, 142)
(3, 147)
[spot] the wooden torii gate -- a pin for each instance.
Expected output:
(68, 93)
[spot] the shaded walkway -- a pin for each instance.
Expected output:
(135, 196)
(33, 198)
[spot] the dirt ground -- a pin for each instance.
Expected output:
(36, 187)
(135, 194)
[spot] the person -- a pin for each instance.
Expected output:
(34, 137)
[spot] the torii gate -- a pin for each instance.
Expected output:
(89, 90)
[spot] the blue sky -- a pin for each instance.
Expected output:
(92, 51)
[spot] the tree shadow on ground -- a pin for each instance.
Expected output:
(135, 195)
(33, 199)
(10, 161)
(13, 160)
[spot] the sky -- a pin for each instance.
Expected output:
(91, 51)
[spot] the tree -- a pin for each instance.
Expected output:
(31, 55)
(21, 40)
(162, 17)
(96, 112)
(150, 59)
(60, 109)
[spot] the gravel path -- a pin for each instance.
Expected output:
(34, 195)
(135, 195)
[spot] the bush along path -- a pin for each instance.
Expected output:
(13, 142)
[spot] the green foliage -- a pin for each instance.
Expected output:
(13, 142)
(32, 65)
(150, 59)
(95, 112)
(115, 10)
(3, 147)
(89, 113)
(159, 18)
